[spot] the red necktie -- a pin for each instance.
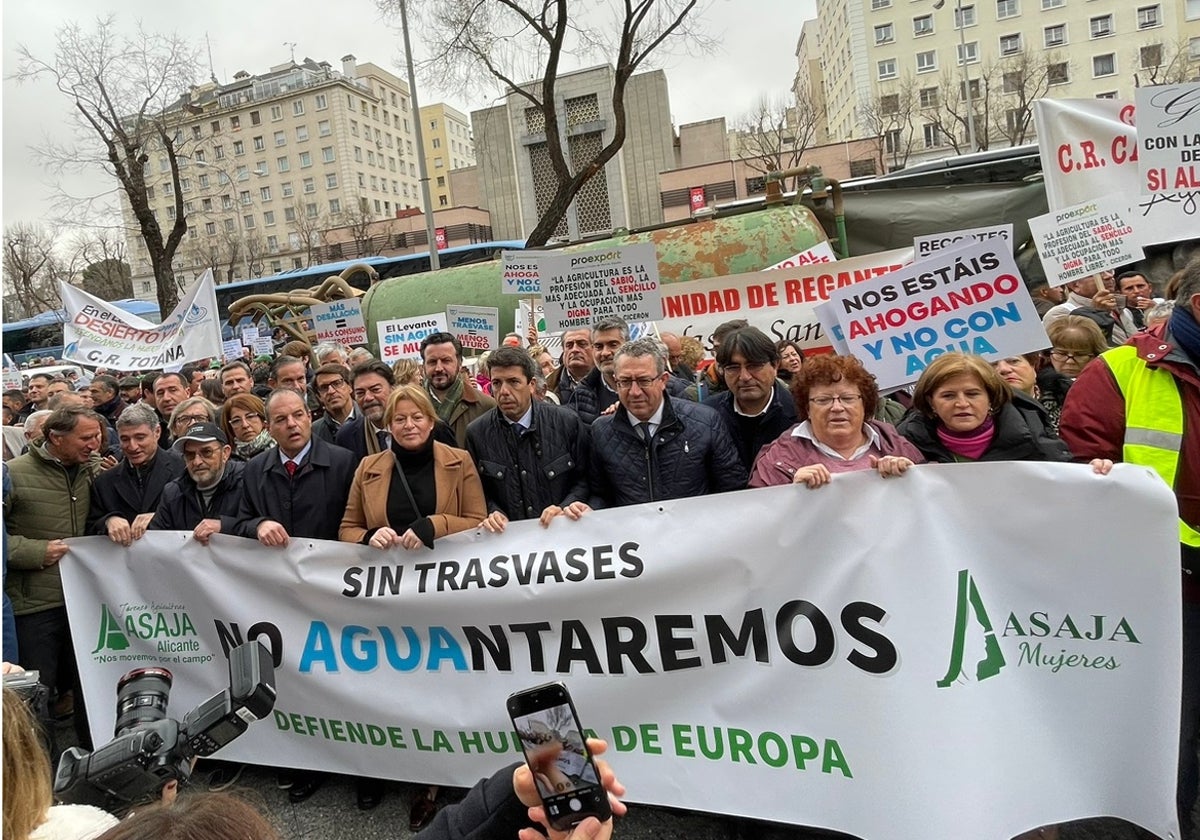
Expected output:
(290, 466)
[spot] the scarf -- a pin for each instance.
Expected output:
(247, 449)
(1186, 333)
(970, 445)
(446, 405)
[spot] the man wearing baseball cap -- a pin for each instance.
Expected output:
(205, 499)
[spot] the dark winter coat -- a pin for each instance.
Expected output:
(120, 492)
(182, 508)
(1020, 436)
(751, 434)
(308, 504)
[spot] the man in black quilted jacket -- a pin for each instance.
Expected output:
(656, 446)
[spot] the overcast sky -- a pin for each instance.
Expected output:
(756, 57)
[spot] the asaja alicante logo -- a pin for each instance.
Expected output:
(165, 626)
(1038, 638)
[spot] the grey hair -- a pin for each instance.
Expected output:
(188, 403)
(642, 347)
(612, 322)
(138, 414)
(357, 356)
(34, 420)
(1159, 312)
(1189, 283)
(330, 347)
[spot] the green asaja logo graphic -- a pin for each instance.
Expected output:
(112, 637)
(993, 658)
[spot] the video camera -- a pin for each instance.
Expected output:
(151, 749)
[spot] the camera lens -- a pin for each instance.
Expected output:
(142, 697)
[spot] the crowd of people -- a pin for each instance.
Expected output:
(331, 443)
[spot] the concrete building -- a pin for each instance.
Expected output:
(269, 162)
(448, 146)
(899, 68)
(405, 234)
(517, 182)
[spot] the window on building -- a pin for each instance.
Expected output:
(273, 243)
(324, 129)
(964, 16)
(297, 107)
(196, 132)
(1194, 49)
(1108, 94)
(353, 128)
(928, 97)
(1055, 36)
(1101, 26)
(1015, 119)
(310, 185)
(1006, 9)
(305, 160)
(891, 141)
(286, 189)
(230, 226)
(1150, 55)
(438, 163)
(358, 155)
(276, 113)
(931, 135)
(255, 118)
(327, 154)
(442, 201)
(260, 143)
(1104, 65)
(215, 125)
(881, 4)
(1010, 44)
(362, 180)
(927, 61)
(242, 173)
(335, 206)
(171, 211)
(244, 197)
(248, 222)
(441, 181)
(1012, 81)
(962, 90)
(210, 228)
(884, 33)
(185, 184)
(219, 152)
(268, 217)
(206, 205)
(310, 210)
(331, 181)
(226, 202)
(239, 148)
(321, 101)
(289, 214)
(887, 68)
(1058, 73)
(922, 25)
(301, 132)
(235, 123)
(370, 158)
(1148, 17)
(168, 188)
(1053, 4)
(280, 138)
(437, 141)
(281, 164)
(264, 193)
(968, 53)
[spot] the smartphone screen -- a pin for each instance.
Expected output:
(552, 738)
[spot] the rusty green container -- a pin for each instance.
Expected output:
(691, 250)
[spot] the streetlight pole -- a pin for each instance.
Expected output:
(962, 47)
(422, 169)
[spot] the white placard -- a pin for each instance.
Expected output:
(920, 653)
(99, 334)
(520, 273)
(400, 338)
(585, 286)
(970, 299)
(475, 327)
(231, 349)
(1089, 150)
(930, 244)
(1169, 137)
(827, 318)
(819, 253)
(264, 346)
(340, 321)
(1079, 241)
(249, 334)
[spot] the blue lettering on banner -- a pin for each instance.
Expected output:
(359, 649)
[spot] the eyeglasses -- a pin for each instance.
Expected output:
(736, 370)
(374, 390)
(1063, 355)
(242, 420)
(191, 418)
(332, 385)
(643, 383)
(846, 400)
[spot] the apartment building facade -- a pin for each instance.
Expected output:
(905, 69)
(449, 145)
(269, 162)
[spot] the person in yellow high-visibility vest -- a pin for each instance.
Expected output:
(1140, 403)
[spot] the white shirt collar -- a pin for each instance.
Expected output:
(299, 459)
(526, 421)
(655, 419)
(770, 400)
(805, 430)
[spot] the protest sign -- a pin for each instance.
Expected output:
(340, 321)
(585, 286)
(520, 273)
(930, 244)
(264, 346)
(97, 333)
(780, 302)
(970, 299)
(1089, 149)
(400, 338)
(827, 318)
(249, 334)
(974, 668)
(475, 327)
(819, 253)
(231, 349)
(1169, 137)
(1079, 241)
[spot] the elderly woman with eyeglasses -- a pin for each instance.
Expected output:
(834, 398)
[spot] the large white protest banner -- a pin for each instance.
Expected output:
(1169, 137)
(400, 338)
(970, 299)
(582, 287)
(475, 327)
(930, 244)
(1089, 149)
(340, 321)
(879, 657)
(97, 333)
(779, 302)
(819, 253)
(521, 273)
(1078, 241)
